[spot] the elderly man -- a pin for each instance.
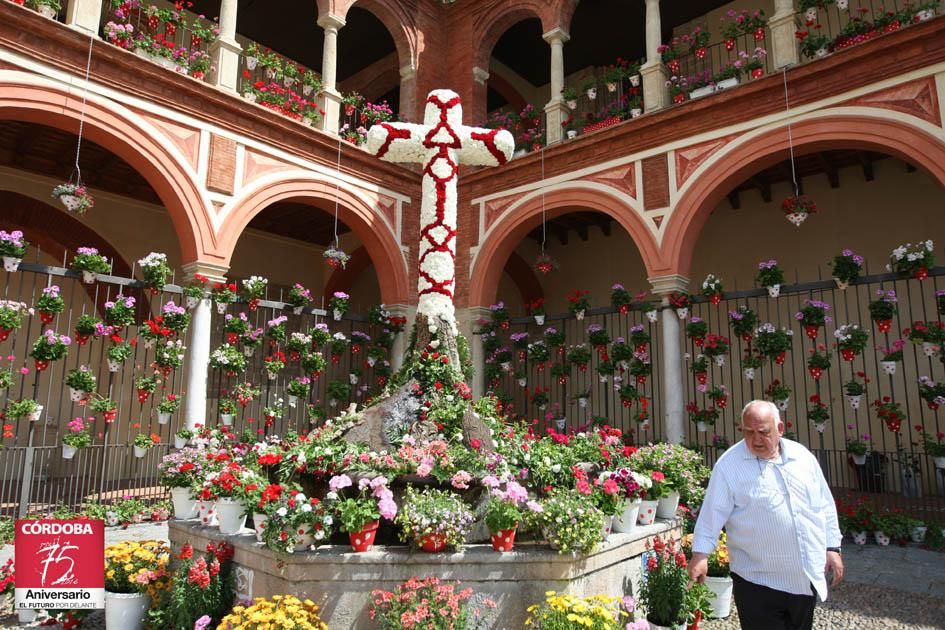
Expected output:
(769, 494)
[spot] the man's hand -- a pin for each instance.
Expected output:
(834, 565)
(698, 567)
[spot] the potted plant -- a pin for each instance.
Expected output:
(696, 329)
(85, 327)
(589, 87)
(25, 408)
(254, 289)
(851, 339)
(120, 312)
(105, 406)
(144, 442)
(359, 515)
(182, 436)
(755, 65)
(81, 382)
(797, 208)
(743, 321)
(229, 359)
(50, 304)
(12, 249)
(891, 356)
(813, 43)
(132, 568)
(181, 471)
(818, 413)
(412, 599)
(771, 277)
(718, 575)
(700, 368)
(728, 76)
(931, 392)
(778, 393)
(433, 519)
(196, 290)
(338, 392)
(773, 343)
(633, 487)
(567, 611)
(569, 521)
(504, 512)
(75, 197)
(846, 268)
(914, 260)
(935, 448)
(155, 269)
(117, 354)
(890, 412)
(858, 448)
(883, 309)
(299, 297)
(703, 418)
(854, 392)
(49, 347)
(89, 262)
(751, 362)
(167, 407)
(569, 96)
(663, 592)
(336, 257)
(223, 293)
(817, 363)
(579, 356)
(812, 316)
(79, 435)
(339, 304)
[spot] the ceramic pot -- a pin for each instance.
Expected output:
(774, 290)
(11, 263)
(68, 452)
(434, 543)
(854, 401)
(88, 277)
(881, 538)
(859, 538)
(364, 539)
(185, 506)
(668, 505)
(503, 540)
(624, 523)
(647, 513)
(126, 610)
(231, 515)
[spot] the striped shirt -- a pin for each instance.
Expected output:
(778, 514)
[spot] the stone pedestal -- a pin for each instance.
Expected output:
(84, 15)
(330, 102)
(655, 92)
(784, 45)
(556, 112)
(341, 581)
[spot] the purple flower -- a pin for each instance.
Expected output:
(202, 623)
(91, 251)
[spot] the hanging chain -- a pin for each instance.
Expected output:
(337, 188)
(85, 93)
(790, 134)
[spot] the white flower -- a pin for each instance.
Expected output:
(556, 468)
(319, 534)
(332, 496)
(282, 511)
(306, 508)
(329, 520)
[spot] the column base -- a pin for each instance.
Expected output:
(225, 65)
(330, 102)
(784, 48)
(556, 112)
(84, 16)
(655, 92)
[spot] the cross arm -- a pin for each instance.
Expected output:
(485, 147)
(397, 142)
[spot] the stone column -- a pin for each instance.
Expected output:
(408, 93)
(467, 320)
(84, 15)
(225, 51)
(198, 349)
(673, 407)
(329, 99)
(397, 351)
(784, 45)
(556, 112)
(655, 92)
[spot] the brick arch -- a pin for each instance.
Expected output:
(29, 98)
(355, 211)
(398, 19)
(490, 29)
(519, 219)
(892, 134)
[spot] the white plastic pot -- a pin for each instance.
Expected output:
(624, 523)
(647, 513)
(11, 263)
(231, 515)
(667, 506)
(889, 367)
(179, 442)
(774, 290)
(68, 452)
(164, 418)
(140, 452)
(185, 506)
(227, 419)
(722, 602)
(652, 316)
(126, 610)
(88, 277)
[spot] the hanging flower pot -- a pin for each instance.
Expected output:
(611, 87)
(221, 308)
(140, 451)
(719, 360)
(796, 218)
(702, 377)
(503, 540)
(730, 43)
(811, 14)
(682, 313)
(749, 373)
(46, 317)
(774, 290)
(113, 366)
(701, 52)
(11, 263)
(884, 325)
(652, 315)
(363, 540)
(110, 415)
(929, 348)
(757, 73)
(701, 426)
(698, 341)
(820, 426)
(815, 372)
(855, 401)
(811, 330)
(780, 358)
(783, 403)
(759, 33)
(939, 462)
(673, 65)
(164, 418)
(848, 354)
(41, 364)
(634, 80)
(889, 367)
(591, 93)
(68, 452)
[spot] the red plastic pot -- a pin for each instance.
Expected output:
(433, 543)
(364, 539)
(503, 540)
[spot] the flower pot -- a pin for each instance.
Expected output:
(579, 315)
(725, 84)
(27, 615)
(774, 290)
(75, 395)
(611, 86)
(337, 314)
(928, 348)
(881, 538)
(11, 263)
(667, 506)
(815, 372)
(288, 81)
(251, 63)
(33, 416)
(111, 519)
(682, 313)
(88, 277)
(721, 604)
(749, 374)
(859, 460)
(757, 73)
(606, 527)
(185, 506)
(110, 415)
(140, 451)
(364, 539)
(259, 525)
(783, 403)
(924, 15)
(636, 112)
(46, 11)
(796, 218)
(647, 513)
(433, 543)
(304, 539)
(572, 134)
(821, 52)
(918, 534)
(163, 418)
(540, 320)
(221, 308)
(939, 462)
(719, 360)
(114, 366)
(652, 316)
(572, 103)
(820, 426)
(625, 522)
(859, 538)
(232, 516)
(843, 4)
(126, 610)
(591, 93)
(208, 517)
(68, 452)
(522, 382)
(889, 367)
(702, 427)
(811, 14)
(703, 91)
(503, 540)
(848, 354)
(561, 424)
(634, 80)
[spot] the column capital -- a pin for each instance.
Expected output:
(212, 271)
(672, 283)
(556, 36)
(480, 75)
(330, 21)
